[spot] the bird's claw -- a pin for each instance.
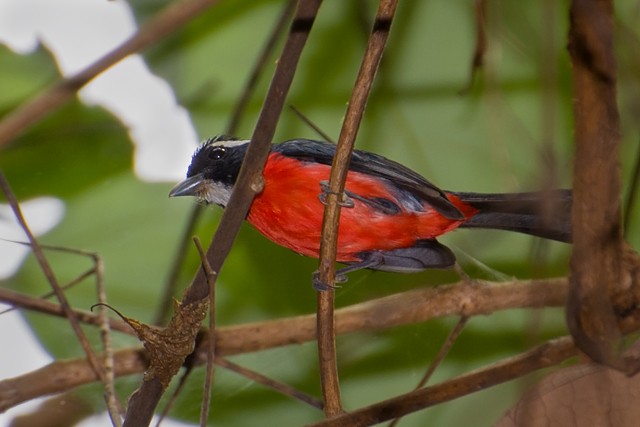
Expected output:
(343, 200)
(321, 286)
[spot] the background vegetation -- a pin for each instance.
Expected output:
(510, 130)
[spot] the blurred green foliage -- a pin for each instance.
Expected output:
(491, 138)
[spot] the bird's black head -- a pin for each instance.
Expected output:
(213, 171)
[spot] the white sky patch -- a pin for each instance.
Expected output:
(24, 354)
(77, 32)
(42, 214)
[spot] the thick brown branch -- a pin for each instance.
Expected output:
(383, 313)
(596, 261)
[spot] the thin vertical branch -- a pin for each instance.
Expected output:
(477, 61)
(339, 169)
(260, 65)
(114, 408)
(211, 343)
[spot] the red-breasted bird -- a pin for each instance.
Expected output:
(393, 215)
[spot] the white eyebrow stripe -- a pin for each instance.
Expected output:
(231, 143)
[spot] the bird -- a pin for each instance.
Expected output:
(392, 216)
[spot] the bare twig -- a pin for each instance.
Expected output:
(114, 407)
(547, 354)
(51, 278)
(309, 123)
(339, 169)
(270, 383)
(211, 347)
(442, 353)
(89, 272)
(18, 300)
(481, 43)
(444, 350)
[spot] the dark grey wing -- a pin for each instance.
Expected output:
(376, 165)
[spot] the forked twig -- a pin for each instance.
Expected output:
(98, 367)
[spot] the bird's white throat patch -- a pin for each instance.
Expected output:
(212, 192)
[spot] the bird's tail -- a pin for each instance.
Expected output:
(544, 214)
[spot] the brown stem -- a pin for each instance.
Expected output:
(339, 169)
(211, 347)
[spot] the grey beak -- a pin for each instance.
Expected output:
(188, 187)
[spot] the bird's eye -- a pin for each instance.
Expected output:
(217, 153)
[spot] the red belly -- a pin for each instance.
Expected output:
(289, 213)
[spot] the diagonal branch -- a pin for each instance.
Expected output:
(144, 401)
(239, 109)
(53, 281)
(547, 354)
